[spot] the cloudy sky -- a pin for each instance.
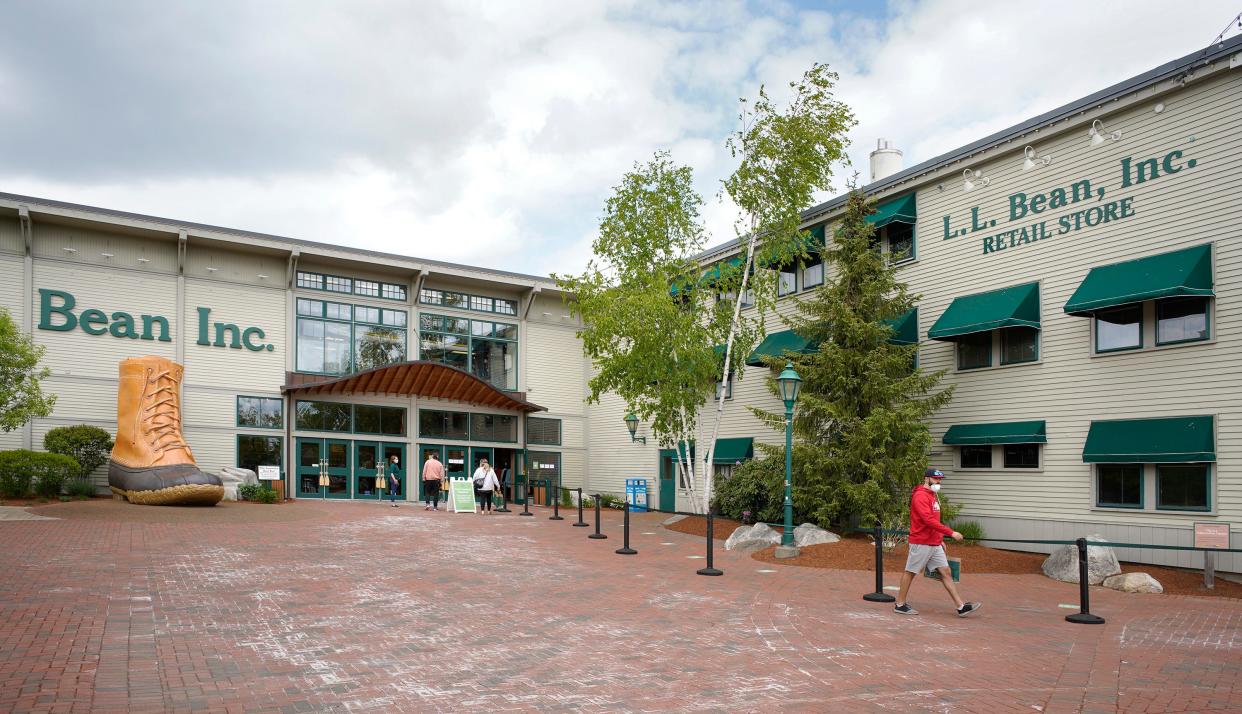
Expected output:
(490, 133)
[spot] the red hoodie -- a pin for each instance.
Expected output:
(925, 525)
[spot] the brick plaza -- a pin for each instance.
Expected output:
(359, 606)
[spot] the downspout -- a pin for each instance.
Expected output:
(183, 240)
(27, 231)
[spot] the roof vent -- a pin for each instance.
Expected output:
(885, 160)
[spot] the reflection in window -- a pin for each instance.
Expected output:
(1119, 485)
(1019, 344)
(378, 347)
(900, 241)
(255, 451)
(1021, 456)
(1181, 320)
(976, 457)
(1119, 329)
(1183, 487)
(974, 351)
(261, 412)
(323, 416)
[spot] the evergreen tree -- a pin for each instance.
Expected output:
(861, 436)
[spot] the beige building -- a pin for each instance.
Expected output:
(1080, 282)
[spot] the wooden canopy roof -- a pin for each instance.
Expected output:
(419, 378)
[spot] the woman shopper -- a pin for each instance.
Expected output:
(394, 479)
(485, 485)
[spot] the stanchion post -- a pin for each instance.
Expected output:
(556, 505)
(596, 535)
(526, 499)
(879, 595)
(503, 508)
(1083, 616)
(626, 549)
(711, 538)
(581, 523)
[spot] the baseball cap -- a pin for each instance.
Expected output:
(933, 473)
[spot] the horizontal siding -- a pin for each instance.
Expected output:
(11, 236)
(83, 245)
(213, 261)
(245, 307)
(555, 371)
(12, 279)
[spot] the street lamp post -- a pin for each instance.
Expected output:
(789, 383)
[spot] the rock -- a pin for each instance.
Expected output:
(811, 534)
(752, 538)
(236, 475)
(1101, 562)
(673, 519)
(1133, 583)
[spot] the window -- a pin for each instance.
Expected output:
(310, 280)
(900, 240)
(1181, 320)
(1119, 486)
(369, 288)
(974, 351)
(333, 345)
(392, 292)
(313, 308)
(787, 281)
(478, 302)
(431, 297)
(748, 298)
(976, 457)
(323, 416)
(388, 421)
(367, 314)
(546, 432)
(336, 284)
(261, 412)
(486, 349)
(813, 272)
(323, 347)
(457, 300)
(1183, 487)
(377, 347)
(543, 464)
(506, 307)
(1021, 456)
(255, 451)
(493, 427)
(396, 318)
(1019, 344)
(337, 311)
(727, 388)
(722, 472)
(436, 424)
(1119, 329)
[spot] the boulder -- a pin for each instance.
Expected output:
(1133, 583)
(811, 534)
(1101, 562)
(752, 538)
(673, 519)
(236, 475)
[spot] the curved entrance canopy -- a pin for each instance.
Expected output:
(419, 378)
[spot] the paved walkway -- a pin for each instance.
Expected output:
(358, 606)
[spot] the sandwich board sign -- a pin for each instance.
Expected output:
(461, 495)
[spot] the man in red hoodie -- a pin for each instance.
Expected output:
(927, 545)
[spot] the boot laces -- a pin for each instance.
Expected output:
(162, 418)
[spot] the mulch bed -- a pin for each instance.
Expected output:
(857, 552)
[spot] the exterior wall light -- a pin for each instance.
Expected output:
(631, 425)
(1098, 133)
(973, 178)
(1032, 159)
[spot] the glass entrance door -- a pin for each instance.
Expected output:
(668, 473)
(366, 458)
(310, 453)
(455, 464)
(399, 469)
(425, 450)
(337, 453)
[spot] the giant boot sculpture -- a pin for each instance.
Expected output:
(151, 463)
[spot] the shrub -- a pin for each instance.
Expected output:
(757, 486)
(88, 445)
(80, 488)
(567, 498)
(972, 531)
(23, 473)
(248, 491)
(264, 495)
(608, 500)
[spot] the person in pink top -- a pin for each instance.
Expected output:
(927, 545)
(433, 476)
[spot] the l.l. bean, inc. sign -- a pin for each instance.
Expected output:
(57, 313)
(1024, 206)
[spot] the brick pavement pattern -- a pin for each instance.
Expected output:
(358, 606)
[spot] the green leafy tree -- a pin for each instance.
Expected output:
(88, 445)
(21, 398)
(861, 426)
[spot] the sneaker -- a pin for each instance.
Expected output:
(905, 609)
(968, 608)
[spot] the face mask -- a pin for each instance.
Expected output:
(935, 487)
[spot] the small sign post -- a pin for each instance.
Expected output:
(1211, 535)
(269, 473)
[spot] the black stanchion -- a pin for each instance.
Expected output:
(597, 535)
(503, 508)
(879, 595)
(1083, 616)
(711, 537)
(626, 549)
(581, 523)
(526, 500)
(556, 506)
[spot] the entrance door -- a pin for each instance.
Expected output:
(310, 453)
(337, 453)
(668, 478)
(401, 469)
(455, 463)
(423, 451)
(505, 461)
(366, 458)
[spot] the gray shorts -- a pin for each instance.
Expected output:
(925, 556)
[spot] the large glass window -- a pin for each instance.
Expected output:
(1119, 485)
(348, 338)
(1019, 344)
(323, 347)
(486, 349)
(1181, 320)
(323, 416)
(261, 412)
(371, 419)
(493, 427)
(337, 284)
(543, 431)
(255, 451)
(974, 351)
(1021, 456)
(543, 464)
(1183, 487)
(378, 346)
(1119, 329)
(976, 457)
(437, 424)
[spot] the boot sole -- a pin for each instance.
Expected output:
(185, 495)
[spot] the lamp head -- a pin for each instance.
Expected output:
(631, 423)
(789, 383)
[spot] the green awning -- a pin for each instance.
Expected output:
(1017, 306)
(777, 344)
(1182, 272)
(731, 451)
(1148, 441)
(1010, 432)
(898, 210)
(905, 328)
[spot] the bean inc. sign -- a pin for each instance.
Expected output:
(57, 314)
(1030, 206)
